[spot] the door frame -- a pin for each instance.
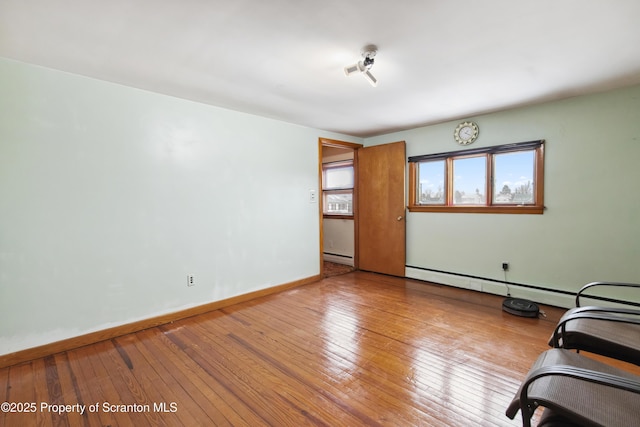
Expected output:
(326, 142)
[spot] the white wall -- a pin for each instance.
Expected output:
(339, 240)
(110, 196)
(591, 228)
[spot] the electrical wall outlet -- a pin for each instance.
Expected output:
(505, 266)
(190, 281)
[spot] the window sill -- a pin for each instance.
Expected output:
(329, 216)
(511, 209)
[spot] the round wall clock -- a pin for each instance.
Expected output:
(466, 133)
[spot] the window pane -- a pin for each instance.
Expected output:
(469, 181)
(496, 179)
(431, 189)
(338, 202)
(513, 183)
(340, 177)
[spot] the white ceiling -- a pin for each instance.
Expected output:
(438, 60)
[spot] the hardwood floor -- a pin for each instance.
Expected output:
(350, 350)
(330, 269)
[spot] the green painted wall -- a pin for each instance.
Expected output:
(110, 196)
(591, 227)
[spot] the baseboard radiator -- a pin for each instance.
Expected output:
(338, 258)
(538, 294)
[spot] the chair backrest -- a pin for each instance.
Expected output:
(592, 285)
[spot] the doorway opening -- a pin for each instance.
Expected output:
(338, 216)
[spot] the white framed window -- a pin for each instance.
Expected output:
(337, 188)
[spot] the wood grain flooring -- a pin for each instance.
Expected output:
(330, 269)
(353, 350)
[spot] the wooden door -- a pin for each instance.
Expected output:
(381, 208)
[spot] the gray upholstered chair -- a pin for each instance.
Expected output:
(608, 331)
(575, 390)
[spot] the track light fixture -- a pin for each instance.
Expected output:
(363, 66)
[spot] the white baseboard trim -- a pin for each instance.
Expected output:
(338, 259)
(492, 287)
